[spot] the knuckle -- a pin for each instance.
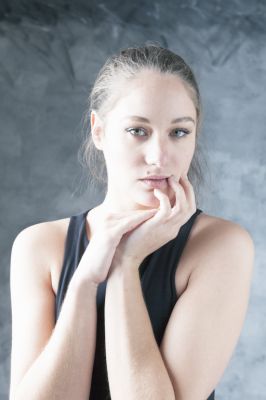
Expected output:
(109, 216)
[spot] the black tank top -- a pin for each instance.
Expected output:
(158, 288)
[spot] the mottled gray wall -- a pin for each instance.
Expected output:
(50, 53)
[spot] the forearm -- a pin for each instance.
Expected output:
(135, 367)
(64, 368)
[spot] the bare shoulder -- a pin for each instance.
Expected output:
(207, 319)
(211, 229)
(44, 244)
(212, 240)
(216, 239)
(36, 254)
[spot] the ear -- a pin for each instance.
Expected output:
(97, 130)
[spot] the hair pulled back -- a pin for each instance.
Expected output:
(124, 66)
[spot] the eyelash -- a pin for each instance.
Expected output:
(187, 132)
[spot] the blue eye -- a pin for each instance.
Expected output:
(135, 129)
(184, 131)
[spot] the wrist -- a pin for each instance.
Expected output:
(82, 296)
(124, 266)
(80, 285)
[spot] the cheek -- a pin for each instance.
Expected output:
(188, 158)
(122, 160)
(181, 159)
(185, 156)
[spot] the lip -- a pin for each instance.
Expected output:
(156, 177)
(155, 183)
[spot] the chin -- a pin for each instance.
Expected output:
(147, 201)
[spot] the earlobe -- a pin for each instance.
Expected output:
(97, 130)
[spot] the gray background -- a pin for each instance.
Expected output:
(50, 53)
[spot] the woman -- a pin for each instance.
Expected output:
(99, 308)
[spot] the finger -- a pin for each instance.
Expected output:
(189, 191)
(132, 221)
(179, 196)
(165, 206)
(127, 213)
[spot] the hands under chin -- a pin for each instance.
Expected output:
(157, 229)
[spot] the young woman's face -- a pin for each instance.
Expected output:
(142, 139)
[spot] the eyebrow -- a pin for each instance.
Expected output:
(180, 119)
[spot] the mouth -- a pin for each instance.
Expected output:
(155, 183)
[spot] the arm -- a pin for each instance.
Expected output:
(47, 361)
(207, 319)
(136, 370)
(201, 333)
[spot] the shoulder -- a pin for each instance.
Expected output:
(45, 235)
(216, 240)
(214, 245)
(212, 230)
(41, 231)
(207, 319)
(42, 245)
(33, 254)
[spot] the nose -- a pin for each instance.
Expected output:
(157, 151)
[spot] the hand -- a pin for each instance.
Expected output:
(97, 258)
(164, 226)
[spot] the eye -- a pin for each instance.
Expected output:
(135, 130)
(181, 132)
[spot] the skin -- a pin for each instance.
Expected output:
(165, 149)
(212, 284)
(183, 357)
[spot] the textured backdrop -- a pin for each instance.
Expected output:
(50, 52)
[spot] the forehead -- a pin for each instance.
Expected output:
(152, 91)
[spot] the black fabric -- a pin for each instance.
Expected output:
(157, 275)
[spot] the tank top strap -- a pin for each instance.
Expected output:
(75, 245)
(77, 241)
(158, 275)
(184, 233)
(177, 249)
